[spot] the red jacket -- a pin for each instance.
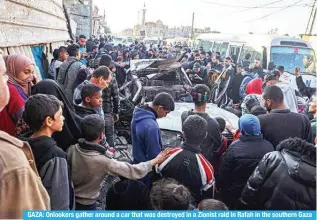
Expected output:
(10, 115)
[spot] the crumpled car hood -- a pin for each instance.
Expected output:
(173, 120)
(139, 65)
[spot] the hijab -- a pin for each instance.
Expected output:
(16, 64)
(254, 87)
(72, 125)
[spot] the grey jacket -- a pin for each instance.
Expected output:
(67, 81)
(90, 165)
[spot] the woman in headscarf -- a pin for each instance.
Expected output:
(72, 125)
(253, 98)
(20, 70)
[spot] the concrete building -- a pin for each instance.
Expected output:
(89, 20)
(152, 29)
(127, 32)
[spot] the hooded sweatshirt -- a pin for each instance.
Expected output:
(290, 100)
(52, 166)
(146, 137)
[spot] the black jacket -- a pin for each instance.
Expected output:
(190, 168)
(283, 180)
(52, 166)
(235, 88)
(212, 142)
(83, 111)
(303, 89)
(259, 71)
(279, 125)
(237, 165)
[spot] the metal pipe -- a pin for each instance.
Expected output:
(137, 94)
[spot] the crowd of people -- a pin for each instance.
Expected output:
(58, 140)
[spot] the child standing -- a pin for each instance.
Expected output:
(90, 165)
(43, 113)
(91, 101)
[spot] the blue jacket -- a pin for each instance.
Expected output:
(248, 77)
(146, 138)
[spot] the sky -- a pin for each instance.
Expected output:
(230, 16)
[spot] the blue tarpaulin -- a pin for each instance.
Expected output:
(37, 54)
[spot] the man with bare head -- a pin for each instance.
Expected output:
(4, 90)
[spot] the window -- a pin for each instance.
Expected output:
(292, 57)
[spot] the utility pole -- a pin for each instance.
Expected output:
(311, 20)
(90, 18)
(193, 19)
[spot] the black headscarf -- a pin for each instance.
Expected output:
(72, 125)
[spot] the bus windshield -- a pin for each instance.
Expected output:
(292, 57)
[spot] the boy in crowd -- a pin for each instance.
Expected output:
(90, 165)
(213, 141)
(211, 204)
(187, 165)
(145, 132)
(91, 101)
(43, 113)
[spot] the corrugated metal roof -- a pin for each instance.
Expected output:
(29, 22)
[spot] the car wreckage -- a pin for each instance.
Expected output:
(146, 79)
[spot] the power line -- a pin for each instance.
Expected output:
(239, 6)
(263, 7)
(282, 9)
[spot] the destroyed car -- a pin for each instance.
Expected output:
(170, 126)
(148, 77)
(145, 79)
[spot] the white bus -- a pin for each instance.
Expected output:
(273, 50)
(289, 52)
(226, 44)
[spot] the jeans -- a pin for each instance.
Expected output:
(109, 129)
(86, 207)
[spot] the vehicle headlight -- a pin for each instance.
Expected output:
(171, 138)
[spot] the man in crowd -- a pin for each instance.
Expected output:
(101, 77)
(257, 69)
(280, 123)
(284, 179)
(17, 167)
(68, 71)
(187, 165)
(246, 62)
(217, 64)
(240, 160)
(145, 132)
(290, 99)
(4, 90)
(62, 57)
(82, 49)
(212, 142)
(198, 74)
(234, 90)
(313, 110)
(110, 100)
(114, 54)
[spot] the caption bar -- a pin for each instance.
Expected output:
(144, 215)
